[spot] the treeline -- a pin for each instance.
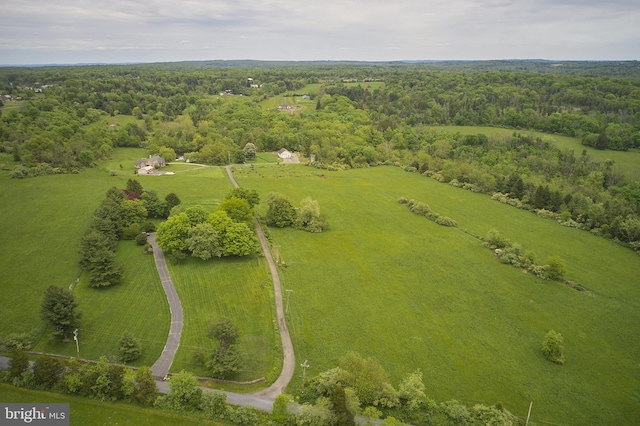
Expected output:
(572, 106)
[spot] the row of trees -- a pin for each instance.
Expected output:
(104, 381)
(225, 232)
(123, 214)
(360, 386)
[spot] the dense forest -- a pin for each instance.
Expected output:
(359, 115)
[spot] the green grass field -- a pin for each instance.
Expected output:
(44, 219)
(394, 286)
(86, 411)
(239, 289)
(628, 161)
(382, 281)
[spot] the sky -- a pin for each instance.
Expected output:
(117, 31)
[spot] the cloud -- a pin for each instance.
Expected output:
(157, 30)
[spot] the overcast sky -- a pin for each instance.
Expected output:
(88, 31)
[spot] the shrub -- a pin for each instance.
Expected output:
(141, 239)
(556, 268)
(552, 348)
(445, 221)
(21, 341)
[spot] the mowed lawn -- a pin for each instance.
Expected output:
(86, 411)
(237, 288)
(394, 286)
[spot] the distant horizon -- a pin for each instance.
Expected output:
(405, 61)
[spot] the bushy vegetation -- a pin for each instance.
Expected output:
(101, 380)
(360, 386)
(282, 213)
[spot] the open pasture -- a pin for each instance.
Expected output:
(394, 286)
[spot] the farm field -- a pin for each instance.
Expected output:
(85, 411)
(628, 161)
(394, 286)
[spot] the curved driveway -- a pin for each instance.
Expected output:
(288, 361)
(161, 367)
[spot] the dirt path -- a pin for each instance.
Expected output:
(161, 367)
(289, 361)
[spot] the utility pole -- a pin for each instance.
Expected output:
(75, 337)
(304, 366)
(529, 414)
(288, 294)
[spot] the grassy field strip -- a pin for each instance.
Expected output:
(628, 161)
(397, 287)
(234, 288)
(86, 411)
(138, 305)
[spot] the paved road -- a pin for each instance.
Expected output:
(288, 361)
(161, 367)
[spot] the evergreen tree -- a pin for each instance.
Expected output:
(59, 309)
(129, 348)
(339, 407)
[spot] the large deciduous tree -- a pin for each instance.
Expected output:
(172, 234)
(238, 209)
(59, 309)
(251, 195)
(249, 150)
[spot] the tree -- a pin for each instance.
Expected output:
(250, 195)
(203, 241)
(365, 376)
(280, 412)
(197, 214)
(59, 309)
(18, 362)
(552, 348)
(411, 391)
(309, 218)
(47, 371)
(171, 200)
(238, 209)
(140, 385)
(339, 407)
(238, 240)
(134, 187)
(280, 212)
(185, 393)
(225, 361)
(133, 211)
(129, 348)
(173, 233)
(249, 150)
(555, 268)
(155, 207)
